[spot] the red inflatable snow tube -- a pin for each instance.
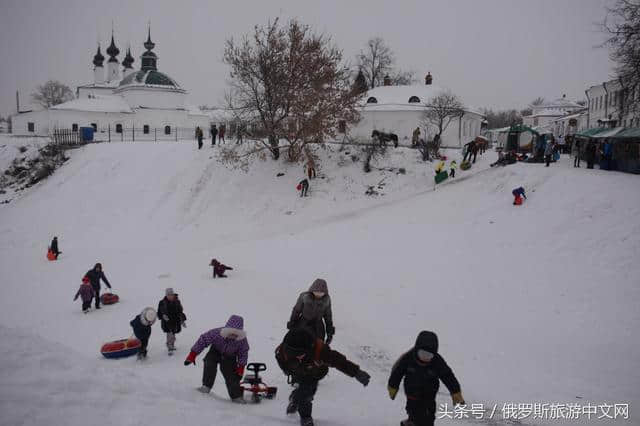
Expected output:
(120, 348)
(50, 255)
(518, 201)
(109, 299)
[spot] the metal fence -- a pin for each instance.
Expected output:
(145, 134)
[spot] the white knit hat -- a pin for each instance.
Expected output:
(148, 316)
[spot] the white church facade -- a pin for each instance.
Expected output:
(139, 104)
(400, 109)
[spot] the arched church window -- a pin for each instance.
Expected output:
(74, 127)
(167, 130)
(414, 100)
(145, 129)
(372, 100)
(118, 128)
(95, 127)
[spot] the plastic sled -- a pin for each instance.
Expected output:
(465, 165)
(109, 298)
(253, 383)
(299, 187)
(442, 176)
(51, 256)
(121, 348)
(518, 201)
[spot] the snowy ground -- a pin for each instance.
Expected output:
(532, 304)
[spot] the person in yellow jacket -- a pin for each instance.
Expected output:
(422, 368)
(440, 167)
(453, 166)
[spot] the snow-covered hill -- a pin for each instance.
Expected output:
(532, 304)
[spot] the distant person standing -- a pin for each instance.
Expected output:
(54, 247)
(221, 133)
(95, 275)
(214, 134)
(576, 152)
(548, 152)
(415, 137)
(199, 137)
(239, 133)
(452, 167)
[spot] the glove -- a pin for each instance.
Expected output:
(457, 398)
(165, 318)
(240, 370)
(329, 338)
(191, 358)
(392, 392)
(362, 377)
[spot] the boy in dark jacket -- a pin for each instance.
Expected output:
(95, 275)
(172, 319)
(306, 360)
(141, 325)
(54, 247)
(423, 368)
(86, 294)
(518, 193)
(303, 187)
(219, 268)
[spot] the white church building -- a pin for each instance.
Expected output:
(142, 104)
(400, 109)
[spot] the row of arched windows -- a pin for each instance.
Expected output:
(412, 100)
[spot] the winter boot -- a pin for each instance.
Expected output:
(292, 407)
(204, 389)
(239, 400)
(306, 421)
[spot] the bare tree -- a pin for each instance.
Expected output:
(622, 28)
(376, 61)
(293, 82)
(537, 101)
(52, 93)
(502, 118)
(360, 83)
(440, 111)
(403, 78)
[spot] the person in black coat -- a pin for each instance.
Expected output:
(422, 368)
(95, 275)
(172, 319)
(141, 325)
(214, 133)
(54, 247)
(306, 360)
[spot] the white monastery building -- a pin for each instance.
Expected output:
(139, 103)
(400, 109)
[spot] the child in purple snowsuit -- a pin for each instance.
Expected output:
(86, 294)
(230, 349)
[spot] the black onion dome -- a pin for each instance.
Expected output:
(149, 45)
(128, 60)
(98, 59)
(112, 50)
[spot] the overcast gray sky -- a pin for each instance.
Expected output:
(493, 53)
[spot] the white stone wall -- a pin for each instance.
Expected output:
(403, 123)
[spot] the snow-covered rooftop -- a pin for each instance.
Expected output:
(402, 98)
(96, 104)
